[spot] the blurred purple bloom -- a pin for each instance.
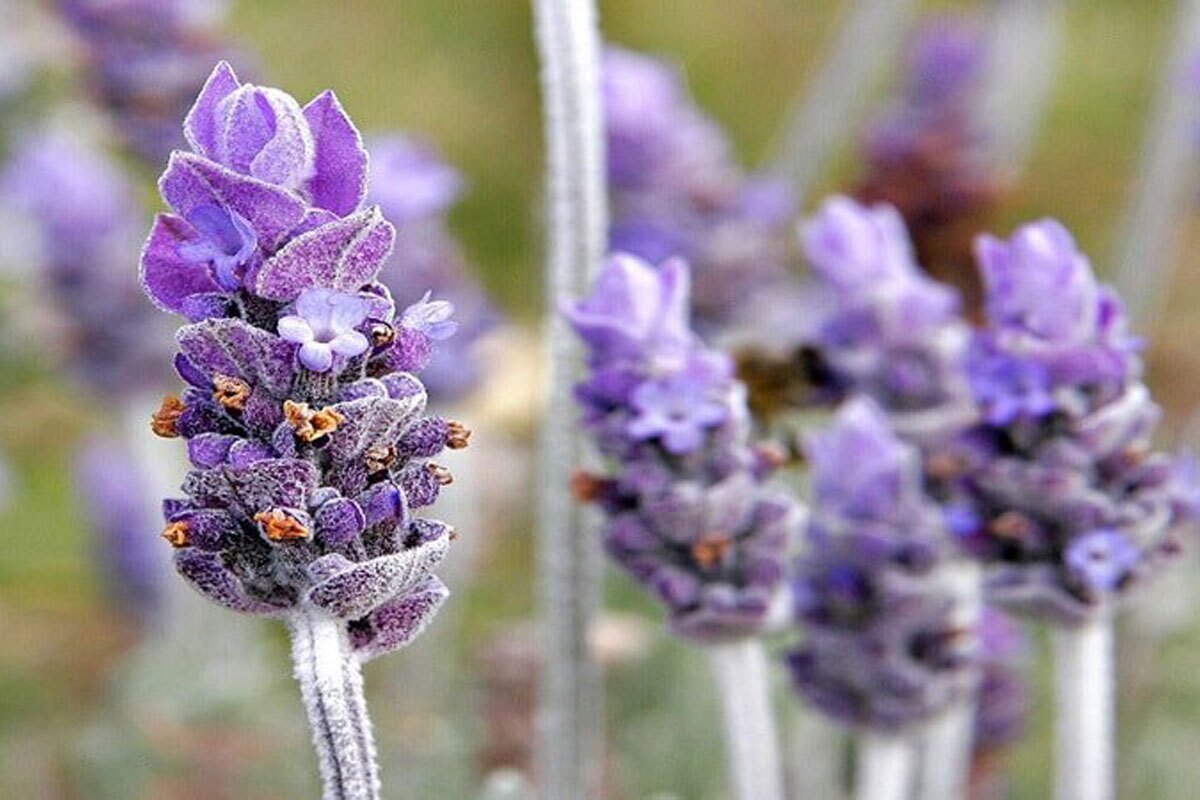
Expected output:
(146, 59)
(416, 190)
(688, 513)
(1074, 506)
(1003, 700)
(86, 218)
(885, 642)
(883, 328)
(121, 517)
(676, 191)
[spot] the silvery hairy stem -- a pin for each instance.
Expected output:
(947, 739)
(752, 749)
(569, 564)
(330, 679)
(885, 766)
(1024, 43)
(1150, 233)
(840, 91)
(1085, 725)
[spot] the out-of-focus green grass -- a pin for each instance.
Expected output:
(463, 74)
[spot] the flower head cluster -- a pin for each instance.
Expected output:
(415, 189)
(145, 61)
(687, 510)
(885, 329)
(677, 191)
(888, 640)
(304, 423)
(86, 220)
(1073, 506)
(923, 154)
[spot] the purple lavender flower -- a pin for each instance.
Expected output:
(886, 639)
(86, 219)
(688, 511)
(416, 189)
(145, 61)
(309, 446)
(676, 191)
(122, 519)
(1073, 505)
(923, 153)
(884, 329)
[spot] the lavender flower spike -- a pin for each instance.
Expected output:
(887, 331)
(885, 646)
(687, 509)
(304, 424)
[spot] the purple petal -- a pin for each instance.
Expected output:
(207, 575)
(340, 180)
(201, 126)
(342, 255)
(366, 586)
(397, 623)
(317, 356)
(192, 181)
(166, 276)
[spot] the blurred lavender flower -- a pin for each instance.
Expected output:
(145, 61)
(923, 154)
(884, 329)
(886, 641)
(121, 515)
(309, 448)
(687, 510)
(677, 191)
(87, 221)
(1073, 506)
(416, 189)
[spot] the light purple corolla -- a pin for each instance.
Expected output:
(324, 327)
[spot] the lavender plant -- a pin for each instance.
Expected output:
(676, 190)
(302, 416)
(687, 509)
(888, 642)
(1072, 509)
(145, 60)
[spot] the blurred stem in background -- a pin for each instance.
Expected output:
(885, 766)
(839, 93)
(571, 718)
(1084, 719)
(1151, 230)
(740, 671)
(1024, 49)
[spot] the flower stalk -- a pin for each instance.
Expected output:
(569, 561)
(1083, 672)
(740, 671)
(331, 685)
(885, 766)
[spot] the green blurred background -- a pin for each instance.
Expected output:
(463, 74)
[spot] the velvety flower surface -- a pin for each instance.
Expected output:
(1073, 506)
(416, 189)
(85, 218)
(888, 641)
(883, 329)
(304, 424)
(145, 60)
(677, 191)
(687, 510)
